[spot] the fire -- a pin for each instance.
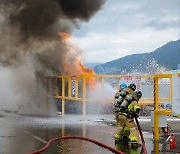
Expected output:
(64, 35)
(73, 62)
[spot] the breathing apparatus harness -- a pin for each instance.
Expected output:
(123, 98)
(122, 107)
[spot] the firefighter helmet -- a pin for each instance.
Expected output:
(123, 85)
(138, 94)
(132, 86)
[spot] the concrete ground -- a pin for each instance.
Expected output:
(23, 134)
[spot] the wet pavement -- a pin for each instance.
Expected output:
(23, 134)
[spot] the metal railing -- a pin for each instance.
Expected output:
(61, 87)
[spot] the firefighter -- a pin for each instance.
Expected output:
(121, 87)
(129, 91)
(127, 130)
(117, 95)
(133, 109)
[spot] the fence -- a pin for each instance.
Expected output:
(77, 88)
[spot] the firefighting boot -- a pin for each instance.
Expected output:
(135, 144)
(125, 139)
(117, 137)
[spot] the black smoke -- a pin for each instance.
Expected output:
(30, 46)
(29, 28)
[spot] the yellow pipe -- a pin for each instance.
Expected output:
(105, 76)
(143, 101)
(156, 116)
(156, 147)
(163, 75)
(164, 112)
(84, 99)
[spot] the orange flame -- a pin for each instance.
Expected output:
(72, 61)
(64, 35)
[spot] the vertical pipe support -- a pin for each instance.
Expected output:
(156, 147)
(156, 106)
(84, 98)
(63, 94)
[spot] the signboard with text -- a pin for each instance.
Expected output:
(73, 90)
(129, 79)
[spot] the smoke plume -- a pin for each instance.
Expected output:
(29, 33)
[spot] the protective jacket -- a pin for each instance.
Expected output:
(125, 123)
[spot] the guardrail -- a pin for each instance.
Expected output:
(75, 88)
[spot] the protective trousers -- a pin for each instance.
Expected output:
(126, 127)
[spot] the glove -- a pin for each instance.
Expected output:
(116, 110)
(136, 115)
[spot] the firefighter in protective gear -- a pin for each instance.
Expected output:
(134, 110)
(127, 91)
(117, 99)
(127, 127)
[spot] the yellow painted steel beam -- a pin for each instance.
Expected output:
(156, 147)
(163, 75)
(164, 112)
(69, 98)
(156, 106)
(104, 76)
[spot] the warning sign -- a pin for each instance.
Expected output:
(129, 79)
(138, 82)
(73, 85)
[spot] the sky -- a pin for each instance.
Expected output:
(125, 27)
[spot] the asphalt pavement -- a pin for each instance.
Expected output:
(26, 133)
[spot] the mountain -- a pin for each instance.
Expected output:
(92, 65)
(164, 58)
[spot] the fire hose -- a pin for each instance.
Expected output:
(142, 138)
(77, 137)
(93, 141)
